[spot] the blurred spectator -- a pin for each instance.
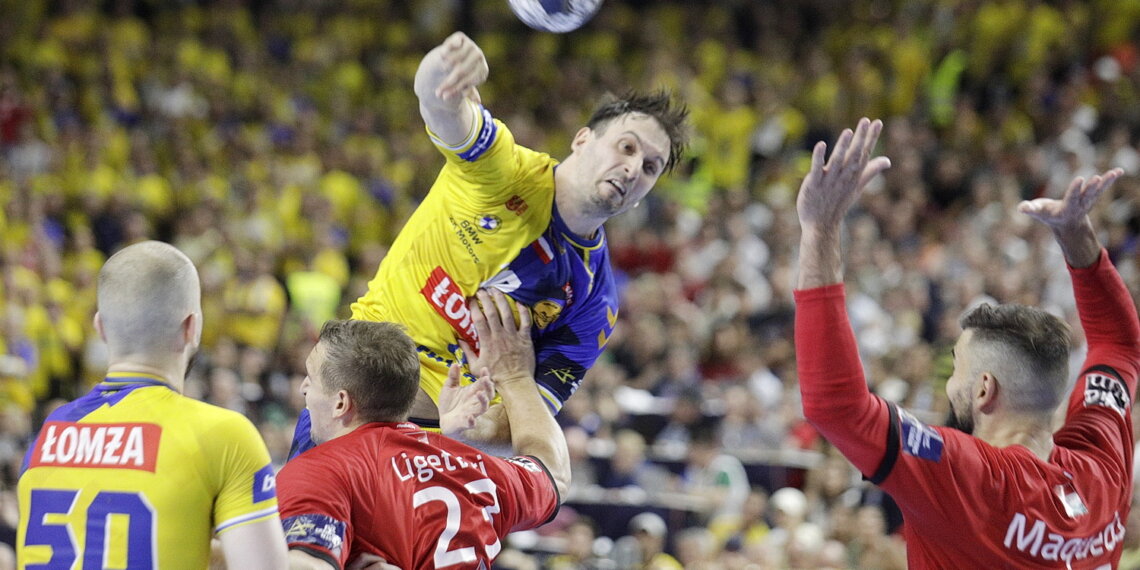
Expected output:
(715, 477)
(644, 547)
(629, 469)
(579, 552)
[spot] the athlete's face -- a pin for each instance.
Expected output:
(319, 400)
(620, 162)
(960, 387)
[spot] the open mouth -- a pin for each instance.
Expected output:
(617, 186)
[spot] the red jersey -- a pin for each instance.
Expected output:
(418, 499)
(966, 503)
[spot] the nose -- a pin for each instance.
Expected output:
(632, 167)
(305, 386)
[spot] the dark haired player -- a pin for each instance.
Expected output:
(1014, 494)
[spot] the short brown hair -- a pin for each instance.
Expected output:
(1030, 345)
(659, 105)
(376, 363)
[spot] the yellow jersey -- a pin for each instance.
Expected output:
(492, 199)
(136, 475)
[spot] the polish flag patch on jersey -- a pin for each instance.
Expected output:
(106, 446)
(543, 249)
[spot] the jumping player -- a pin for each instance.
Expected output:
(134, 474)
(1014, 494)
(504, 216)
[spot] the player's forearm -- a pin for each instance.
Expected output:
(255, 545)
(820, 260)
(534, 430)
(299, 560)
(450, 118)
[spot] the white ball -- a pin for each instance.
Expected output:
(558, 16)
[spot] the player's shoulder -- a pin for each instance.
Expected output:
(206, 417)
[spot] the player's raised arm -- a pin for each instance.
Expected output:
(446, 85)
(1104, 305)
(509, 358)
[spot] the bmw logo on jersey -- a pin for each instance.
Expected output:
(488, 223)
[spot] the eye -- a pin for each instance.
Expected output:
(650, 168)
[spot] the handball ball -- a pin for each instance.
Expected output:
(558, 16)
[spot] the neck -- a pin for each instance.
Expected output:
(1030, 431)
(172, 373)
(573, 215)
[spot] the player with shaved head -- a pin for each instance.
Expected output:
(134, 474)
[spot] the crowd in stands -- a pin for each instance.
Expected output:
(278, 144)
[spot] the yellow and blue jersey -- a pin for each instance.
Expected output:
(136, 475)
(490, 221)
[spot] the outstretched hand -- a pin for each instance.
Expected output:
(460, 406)
(830, 188)
(1072, 210)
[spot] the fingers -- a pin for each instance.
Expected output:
(524, 318)
(506, 318)
(452, 376)
(839, 153)
(466, 67)
(818, 152)
(472, 93)
(478, 317)
(858, 150)
(468, 351)
(873, 169)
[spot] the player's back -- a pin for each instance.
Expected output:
(136, 475)
(419, 500)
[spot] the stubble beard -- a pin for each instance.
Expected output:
(963, 422)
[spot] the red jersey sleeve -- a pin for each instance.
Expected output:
(529, 498)
(835, 396)
(1100, 404)
(315, 513)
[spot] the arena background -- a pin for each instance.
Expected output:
(278, 143)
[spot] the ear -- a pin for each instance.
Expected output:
(580, 138)
(192, 329)
(98, 322)
(986, 395)
(345, 407)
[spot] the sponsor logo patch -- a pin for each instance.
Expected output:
(317, 530)
(919, 439)
(526, 463)
(107, 446)
(1104, 390)
(545, 311)
(447, 299)
(264, 484)
(488, 223)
